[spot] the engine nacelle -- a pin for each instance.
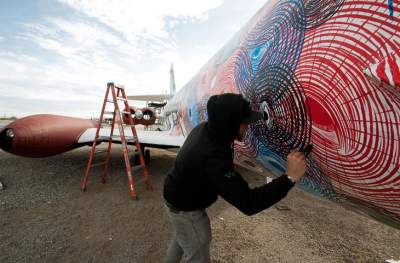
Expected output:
(43, 135)
(145, 116)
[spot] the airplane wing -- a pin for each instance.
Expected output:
(157, 139)
(159, 97)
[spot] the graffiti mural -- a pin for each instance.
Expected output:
(328, 72)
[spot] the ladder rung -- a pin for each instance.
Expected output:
(135, 168)
(98, 164)
(128, 138)
(118, 98)
(118, 87)
(106, 124)
(108, 137)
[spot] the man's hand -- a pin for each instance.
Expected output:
(296, 165)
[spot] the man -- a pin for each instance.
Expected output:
(204, 169)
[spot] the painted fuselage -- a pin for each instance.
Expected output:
(308, 60)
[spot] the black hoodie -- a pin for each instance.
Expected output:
(204, 169)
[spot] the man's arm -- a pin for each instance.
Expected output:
(233, 188)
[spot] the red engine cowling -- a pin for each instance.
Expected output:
(145, 116)
(43, 135)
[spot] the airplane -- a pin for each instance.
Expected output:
(325, 73)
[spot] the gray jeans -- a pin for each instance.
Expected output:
(192, 237)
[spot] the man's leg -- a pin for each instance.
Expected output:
(174, 252)
(193, 234)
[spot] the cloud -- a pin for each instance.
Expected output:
(74, 56)
(138, 18)
(86, 54)
(20, 106)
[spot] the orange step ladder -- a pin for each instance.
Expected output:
(118, 95)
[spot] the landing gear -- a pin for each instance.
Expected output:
(146, 154)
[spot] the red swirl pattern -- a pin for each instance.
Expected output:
(355, 127)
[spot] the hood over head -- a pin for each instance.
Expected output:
(225, 113)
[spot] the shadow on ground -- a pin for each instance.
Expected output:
(45, 217)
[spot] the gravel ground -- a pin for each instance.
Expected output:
(44, 217)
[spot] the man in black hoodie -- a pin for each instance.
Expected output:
(204, 169)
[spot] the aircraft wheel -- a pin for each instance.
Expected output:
(147, 156)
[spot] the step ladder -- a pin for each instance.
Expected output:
(118, 95)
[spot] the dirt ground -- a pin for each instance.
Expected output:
(44, 217)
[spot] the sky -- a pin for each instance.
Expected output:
(56, 56)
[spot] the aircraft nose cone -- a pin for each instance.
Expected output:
(6, 139)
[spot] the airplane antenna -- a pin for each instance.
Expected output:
(172, 87)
